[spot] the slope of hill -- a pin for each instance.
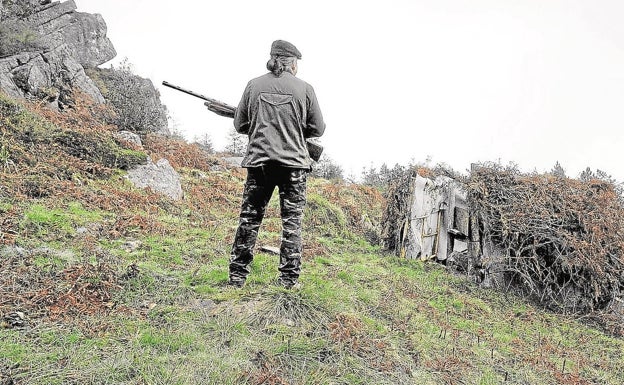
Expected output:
(104, 283)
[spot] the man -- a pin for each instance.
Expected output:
(278, 112)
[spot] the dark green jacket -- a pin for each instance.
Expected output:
(278, 114)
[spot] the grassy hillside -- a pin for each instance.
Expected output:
(103, 283)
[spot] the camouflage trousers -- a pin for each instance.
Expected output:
(259, 187)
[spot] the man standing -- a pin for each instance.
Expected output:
(278, 112)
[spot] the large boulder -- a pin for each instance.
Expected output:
(51, 63)
(50, 75)
(160, 177)
(83, 33)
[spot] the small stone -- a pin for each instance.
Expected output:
(270, 249)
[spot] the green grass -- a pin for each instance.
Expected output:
(43, 220)
(5, 205)
(387, 324)
(361, 317)
(54, 222)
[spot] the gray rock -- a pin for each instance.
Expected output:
(131, 245)
(12, 251)
(130, 137)
(6, 79)
(83, 33)
(159, 176)
(62, 64)
(68, 42)
(49, 16)
(233, 161)
(45, 75)
(89, 41)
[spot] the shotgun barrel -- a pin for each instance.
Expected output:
(213, 105)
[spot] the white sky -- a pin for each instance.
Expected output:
(460, 81)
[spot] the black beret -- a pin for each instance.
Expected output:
(284, 48)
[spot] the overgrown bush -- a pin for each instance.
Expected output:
(134, 99)
(385, 178)
(43, 150)
(360, 208)
(562, 238)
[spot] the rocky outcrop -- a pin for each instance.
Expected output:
(67, 42)
(48, 75)
(48, 50)
(84, 34)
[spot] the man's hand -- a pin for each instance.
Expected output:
(221, 109)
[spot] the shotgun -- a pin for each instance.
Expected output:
(314, 149)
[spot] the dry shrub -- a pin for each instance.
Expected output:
(312, 247)
(268, 371)
(214, 190)
(450, 369)
(350, 333)
(113, 198)
(44, 147)
(563, 239)
(361, 206)
(9, 226)
(356, 201)
(90, 292)
(127, 225)
(80, 289)
(82, 114)
(178, 152)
